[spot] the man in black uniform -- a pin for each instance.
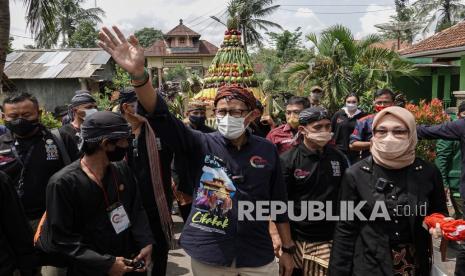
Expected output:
(313, 172)
(31, 154)
(82, 105)
(95, 218)
(183, 185)
(16, 249)
(138, 160)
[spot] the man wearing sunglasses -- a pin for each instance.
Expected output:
(229, 166)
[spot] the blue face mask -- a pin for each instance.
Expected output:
(197, 120)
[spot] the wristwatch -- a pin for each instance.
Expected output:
(289, 250)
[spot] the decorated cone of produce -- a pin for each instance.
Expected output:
(231, 66)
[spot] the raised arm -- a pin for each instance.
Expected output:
(447, 131)
(129, 55)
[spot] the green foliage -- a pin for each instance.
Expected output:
(9, 49)
(248, 16)
(147, 36)
(66, 18)
(178, 73)
(287, 44)
(121, 78)
(176, 106)
(85, 36)
(343, 65)
(49, 121)
(103, 101)
(439, 14)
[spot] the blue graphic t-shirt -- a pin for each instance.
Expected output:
(224, 176)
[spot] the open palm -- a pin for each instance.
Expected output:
(128, 54)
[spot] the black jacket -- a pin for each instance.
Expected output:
(45, 160)
(454, 130)
(362, 247)
(16, 248)
(313, 176)
(77, 227)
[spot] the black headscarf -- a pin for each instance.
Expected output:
(313, 114)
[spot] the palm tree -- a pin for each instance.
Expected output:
(40, 16)
(247, 15)
(343, 64)
(66, 21)
(440, 14)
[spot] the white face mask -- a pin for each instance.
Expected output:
(230, 127)
(351, 106)
(89, 112)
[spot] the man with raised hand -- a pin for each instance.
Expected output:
(229, 166)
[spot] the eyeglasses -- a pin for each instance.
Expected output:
(398, 133)
(236, 113)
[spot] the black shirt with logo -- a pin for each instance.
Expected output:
(313, 176)
(41, 157)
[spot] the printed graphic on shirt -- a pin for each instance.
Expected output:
(51, 150)
(258, 162)
(336, 168)
(213, 199)
(301, 174)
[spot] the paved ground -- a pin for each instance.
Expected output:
(179, 262)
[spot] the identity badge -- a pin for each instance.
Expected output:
(119, 218)
(51, 150)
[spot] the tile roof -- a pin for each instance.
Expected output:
(160, 49)
(451, 37)
(182, 30)
(55, 64)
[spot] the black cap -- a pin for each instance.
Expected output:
(127, 95)
(104, 124)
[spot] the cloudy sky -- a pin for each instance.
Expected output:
(313, 16)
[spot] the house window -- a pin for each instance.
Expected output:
(182, 40)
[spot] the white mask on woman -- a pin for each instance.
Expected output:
(351, 106)
(230, 127)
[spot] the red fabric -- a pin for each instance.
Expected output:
(451, 229)
(282, 137)
(237, 93)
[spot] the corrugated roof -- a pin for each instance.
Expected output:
(451, 37)
(49, 64)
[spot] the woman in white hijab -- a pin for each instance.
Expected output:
(397, 191)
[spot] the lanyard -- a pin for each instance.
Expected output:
(100, 184)
(24, 163)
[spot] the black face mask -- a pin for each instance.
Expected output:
(117, 154)
(21, 126)
(197, 120)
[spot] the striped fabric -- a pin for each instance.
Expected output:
(312, 257)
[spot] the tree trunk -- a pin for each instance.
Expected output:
(4, 33)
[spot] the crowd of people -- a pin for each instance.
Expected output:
(95, 196)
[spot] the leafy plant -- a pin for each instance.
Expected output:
(103, 101)
(49, 121)
(147, 36)
(427, 114)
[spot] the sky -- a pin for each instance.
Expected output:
(359, 16)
